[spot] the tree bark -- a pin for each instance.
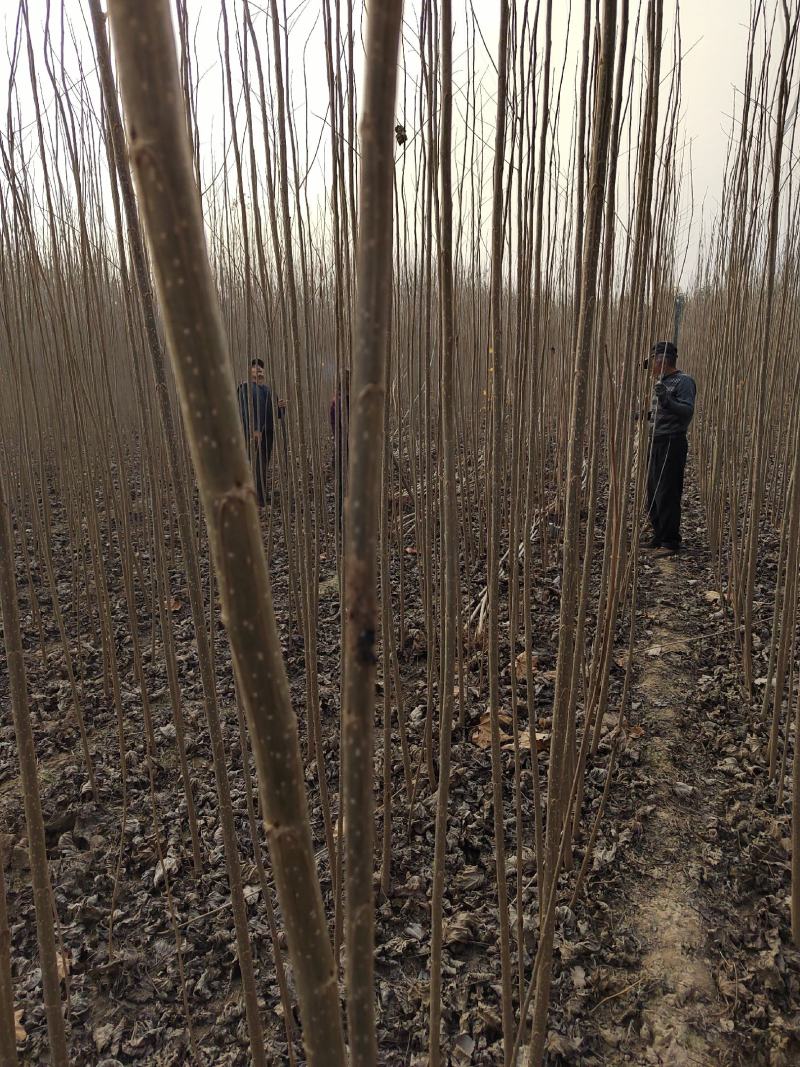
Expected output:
(450, 549)
(121, 160)
(29, 781)
(162, 164)
(373, 281)
(558, 786)
(8, 1041)
(495, 479)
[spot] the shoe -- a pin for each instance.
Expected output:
(664, 551)
(653, 544)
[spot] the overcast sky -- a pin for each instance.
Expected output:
(714, 36)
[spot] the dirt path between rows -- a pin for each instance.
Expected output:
(668, 1008)
(680, 993)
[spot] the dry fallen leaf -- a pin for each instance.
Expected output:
(102, 1036)
(19, 1029)
(521, 668)
(482, 734)
(542, 742)
(463, 1047)
(164, 868)
(712, 596)
(328, 586)
(562, 1045)
(459, 929)
(6, 848)
(62, 965)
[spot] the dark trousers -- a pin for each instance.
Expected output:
(259, 460)
(665, 488)
(340, 475)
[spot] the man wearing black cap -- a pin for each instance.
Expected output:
(255, 411)
(671, 411)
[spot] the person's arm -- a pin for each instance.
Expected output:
(244, 413)
(269, 417)
(264, 414)
(681, 401)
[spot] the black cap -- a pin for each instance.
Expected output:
(257, 363)
(666, 349)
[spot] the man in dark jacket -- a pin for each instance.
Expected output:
(258, 423)
(671, 411)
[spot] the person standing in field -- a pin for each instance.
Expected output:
(258, 423)
(671, 411)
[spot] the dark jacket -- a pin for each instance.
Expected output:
(255, 401)
(672, 413)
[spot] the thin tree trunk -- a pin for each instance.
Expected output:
(495, 505)
(757, 470)
(29, 781)
(450, 548)
(373, 302)
(558, 783)
(179, 483)
(8, 1041)
(162, 164)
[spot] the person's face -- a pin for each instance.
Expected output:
(257, 375)
(659, 366)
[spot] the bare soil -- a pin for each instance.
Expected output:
(678, 951)
(679, 1001)
(695, 965)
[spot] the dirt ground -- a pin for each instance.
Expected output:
(696, 965)
(677, 952)
(678, 1009)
